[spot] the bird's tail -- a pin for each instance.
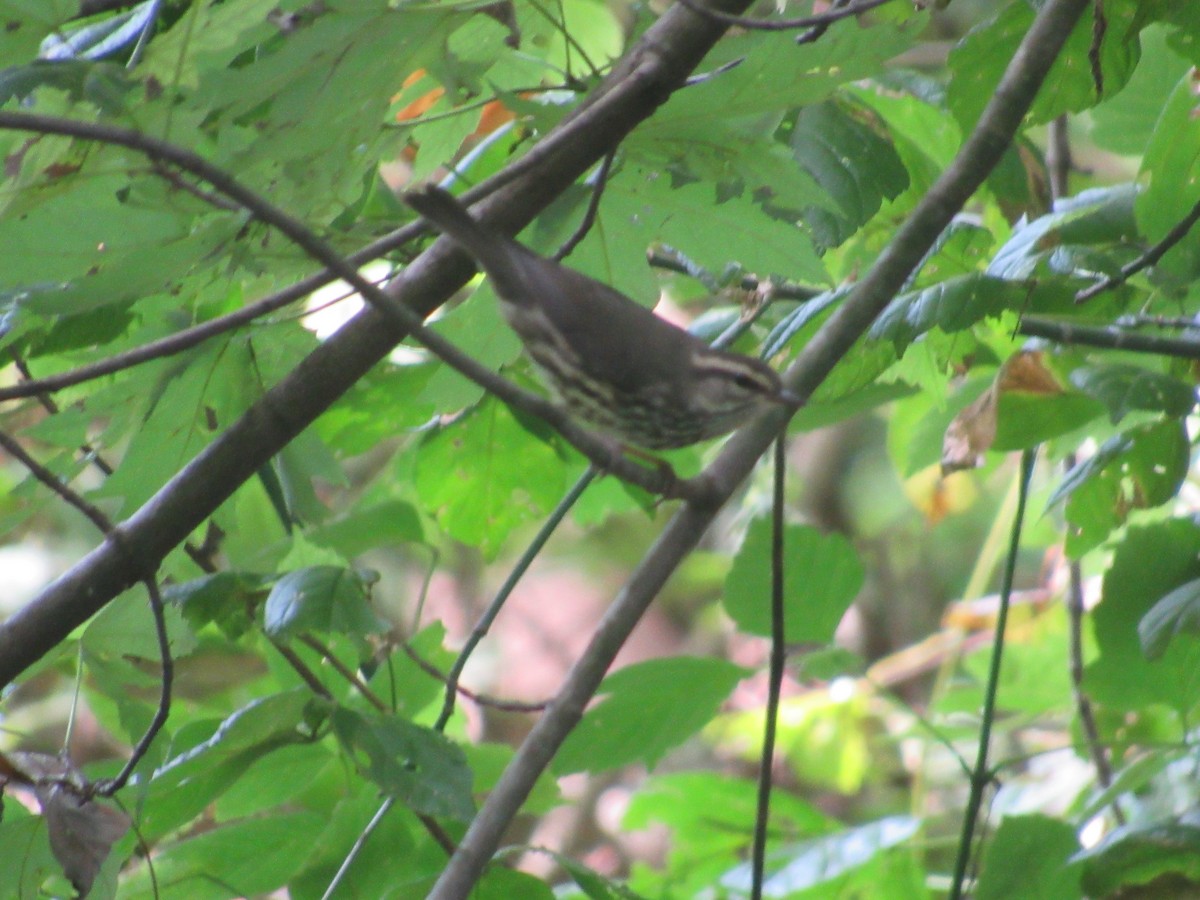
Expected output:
(491, 249)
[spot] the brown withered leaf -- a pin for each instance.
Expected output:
(973, 430)
(81, 831)
(971, 433)
(1026, 371)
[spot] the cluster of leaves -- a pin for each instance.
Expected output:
(297, 707)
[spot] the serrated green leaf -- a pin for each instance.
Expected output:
(855, 164)
(327, 599)
(418, 766)
(222, 598)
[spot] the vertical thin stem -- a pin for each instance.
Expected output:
(981, 775)
(774, 680)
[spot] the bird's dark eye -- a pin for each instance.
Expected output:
(747, 382)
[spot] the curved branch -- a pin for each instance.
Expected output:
(978, 156)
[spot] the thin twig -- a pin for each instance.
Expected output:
(1083, 703)
(484, 624)
(90, 453)
(1095, 56)
(163, 710)
(105, 525)
(338, 666)
(92, 512)
(429, 668)
(307, 675)
(1147, 259)
(751, 283)
(1107, 337)
(822, 19)
(593, 207)
(815, 33)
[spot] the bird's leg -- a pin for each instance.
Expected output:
(666, 474)
(667, 479)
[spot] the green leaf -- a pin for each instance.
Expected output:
(1024, 420)
(125, 628)
(856, 165)
(223, 598)
(1125, 388)
(1172, 162)
(739, 229)
(1148, 564)
(486, 474)
(1140, 854)
(960, 302)
(1125, 122)
(199, 394)
(650, 707)
(369, 527)
(1178, 612)
(980, 59)
(105, 85)
(418, 766)
(327, 599)
(220, 753)
(499, 883)
(711, 818)
(321, 94)
(1138, 469)
(1098, 217)
(1028, 858)
(254, 856)
(820, 860)
(773, 76)
(822, 577)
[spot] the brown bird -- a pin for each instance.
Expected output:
(610, 363)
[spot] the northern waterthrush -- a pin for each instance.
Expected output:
(610, 362)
